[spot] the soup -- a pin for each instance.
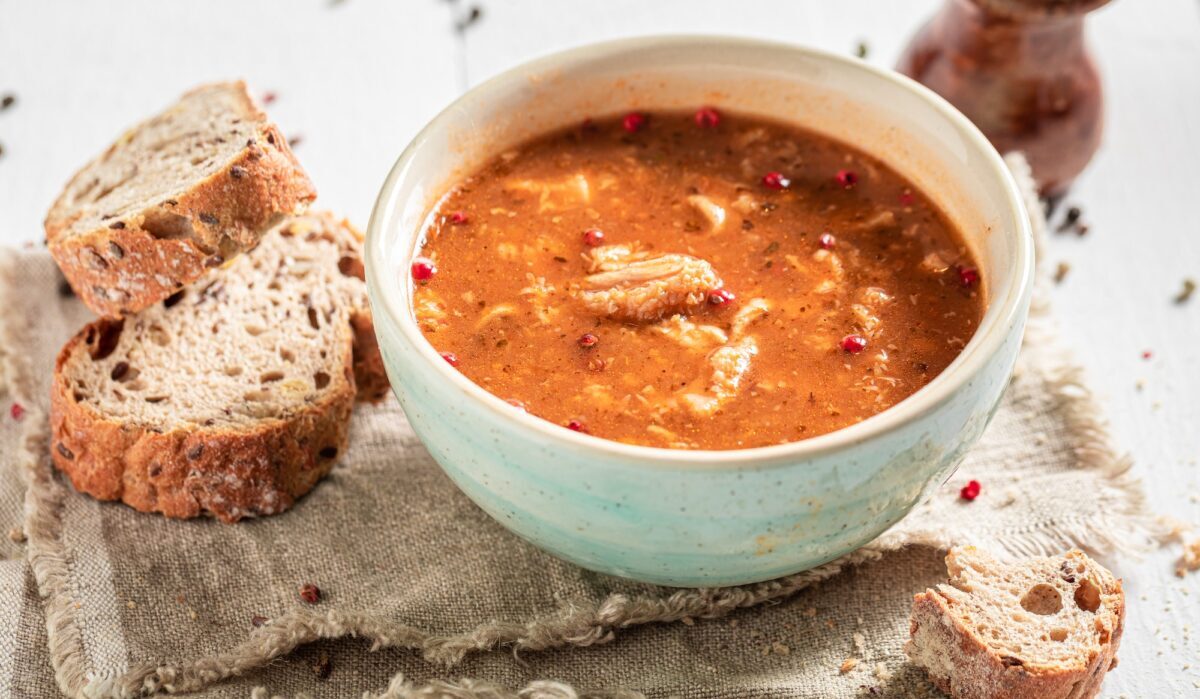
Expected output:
(694, 281)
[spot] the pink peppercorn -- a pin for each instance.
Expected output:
(310, 593)
(775, 180)
(720, 297)
(707, 118)
(633, 122)
(423, 269)
(854, 343)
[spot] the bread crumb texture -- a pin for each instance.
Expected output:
(230, 398)
(172, 198)
(1042, 628)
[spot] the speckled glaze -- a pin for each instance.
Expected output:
(701, 518)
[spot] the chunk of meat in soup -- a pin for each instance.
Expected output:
(638, 287)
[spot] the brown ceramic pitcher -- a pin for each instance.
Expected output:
(1021, 71)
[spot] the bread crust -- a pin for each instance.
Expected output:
(223, 472)
(369, 373)
(979, 672)
(118, 271)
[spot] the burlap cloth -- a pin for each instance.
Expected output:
(421, 589)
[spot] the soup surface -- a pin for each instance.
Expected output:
(694, 281)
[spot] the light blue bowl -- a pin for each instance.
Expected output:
(702, 518)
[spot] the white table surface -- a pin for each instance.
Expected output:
(355, 80)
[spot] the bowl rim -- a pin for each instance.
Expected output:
(987, 340)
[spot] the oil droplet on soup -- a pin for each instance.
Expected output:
(641, 279)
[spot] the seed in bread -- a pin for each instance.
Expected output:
(174, 197)
(232, 397)
(1044, 628)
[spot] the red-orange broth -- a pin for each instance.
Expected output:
(695, 281)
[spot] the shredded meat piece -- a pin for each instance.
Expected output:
(607, 258)
(935, 262)
(836, 271)
(866, 311)
(745, 203)
(881, 220)
(671, 439)
(751, 311)
(500, 310)
(712, 212)
(749, 137)
(646, 288)
(563, 194)
(429, 310)
(539, 294)
(729, 366)
(690, 334)
(599, 395)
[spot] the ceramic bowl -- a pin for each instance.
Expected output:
(701, 518)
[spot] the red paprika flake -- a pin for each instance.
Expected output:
(907, 198)
(968, 277)
(634, 122)
(970, 491)
(707, 118)
(451, 358)
(588, 340)
(846, 178)
(577, 426)
(775, 180)
(827, 241)
(310, 593)
(459, 218)
(593, 237)
(1146, 354)
(17, 411)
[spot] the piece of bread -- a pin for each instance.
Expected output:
(1044, 628)
(174, 197)
(232, 397)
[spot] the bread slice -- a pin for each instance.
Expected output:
(173, 197)
(230, 398)
(1045, 628)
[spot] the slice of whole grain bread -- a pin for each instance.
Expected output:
(1045, 628)
(232, 397)
(175, 196)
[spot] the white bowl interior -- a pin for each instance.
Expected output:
(892, 118)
